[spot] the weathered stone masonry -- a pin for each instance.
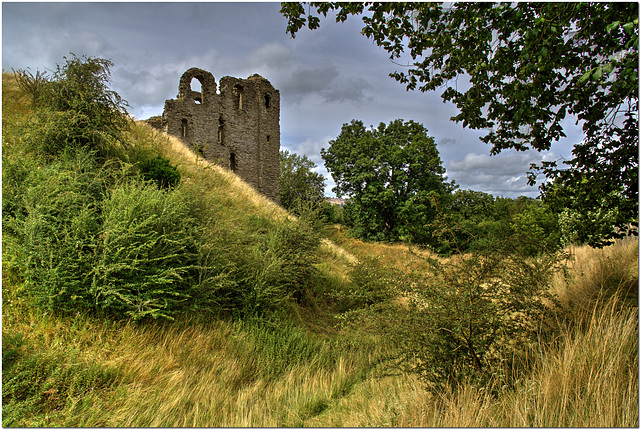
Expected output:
(237, 127)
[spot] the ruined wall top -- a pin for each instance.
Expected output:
(207, 83)
(235, 124)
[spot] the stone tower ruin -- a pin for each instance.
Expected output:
(236, 126)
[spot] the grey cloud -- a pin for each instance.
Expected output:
(503, 174)
(325, 82)
(274, 56)
(350, 91)
(146, 88)
(446, 141)
(45, 49)
(305, 81)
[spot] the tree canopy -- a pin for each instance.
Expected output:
(394, 178)
(299, 182)
(529, 66)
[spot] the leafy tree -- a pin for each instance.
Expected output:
(529, 65)
(470, 204)
(393, 175)
(468, 222)
(475, 221)
(298, 182)
(536, 229)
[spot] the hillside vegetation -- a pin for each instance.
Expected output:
(131, 301)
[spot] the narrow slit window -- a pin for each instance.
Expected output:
(221, 131)
(267, 100)
(184, 128)
(238, 92)
(232, 161)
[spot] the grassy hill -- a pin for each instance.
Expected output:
(314, 352)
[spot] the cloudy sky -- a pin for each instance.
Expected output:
(326, 77)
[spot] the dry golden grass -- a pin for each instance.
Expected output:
(195, 374)
(596, 271)
(192, 376)
(397, 255)
(589, 377)
(590, 380)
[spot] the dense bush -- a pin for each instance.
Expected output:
(147, 252)
(89, 241)
(475, 221)
(370, 283)
(475, 317)
(53, 234)
(160, 171)
(76, 108)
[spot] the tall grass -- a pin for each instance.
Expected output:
(596, 274)
(182, 374)
(587, 377)
(297, 368)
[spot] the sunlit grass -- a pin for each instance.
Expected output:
(223, 372)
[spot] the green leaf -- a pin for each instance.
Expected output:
(585, 77)
(597, 74)
(612, 26)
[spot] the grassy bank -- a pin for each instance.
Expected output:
(301, 357)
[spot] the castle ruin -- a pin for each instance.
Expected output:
(237, 126)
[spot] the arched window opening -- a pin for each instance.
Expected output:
(196, 90)
(232, 162)
(267, 100)
(184, 128)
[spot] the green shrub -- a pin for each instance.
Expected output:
(76, 109)
(537, 230)
(160, 171)
(369, 284)
(277, 266)
(147, 254)
(81, 242)
(53, 244)
(475, 318)
(17, 169)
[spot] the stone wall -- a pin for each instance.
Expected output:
(237, 126)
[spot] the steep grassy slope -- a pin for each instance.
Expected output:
(58, 366)
(296, 366)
